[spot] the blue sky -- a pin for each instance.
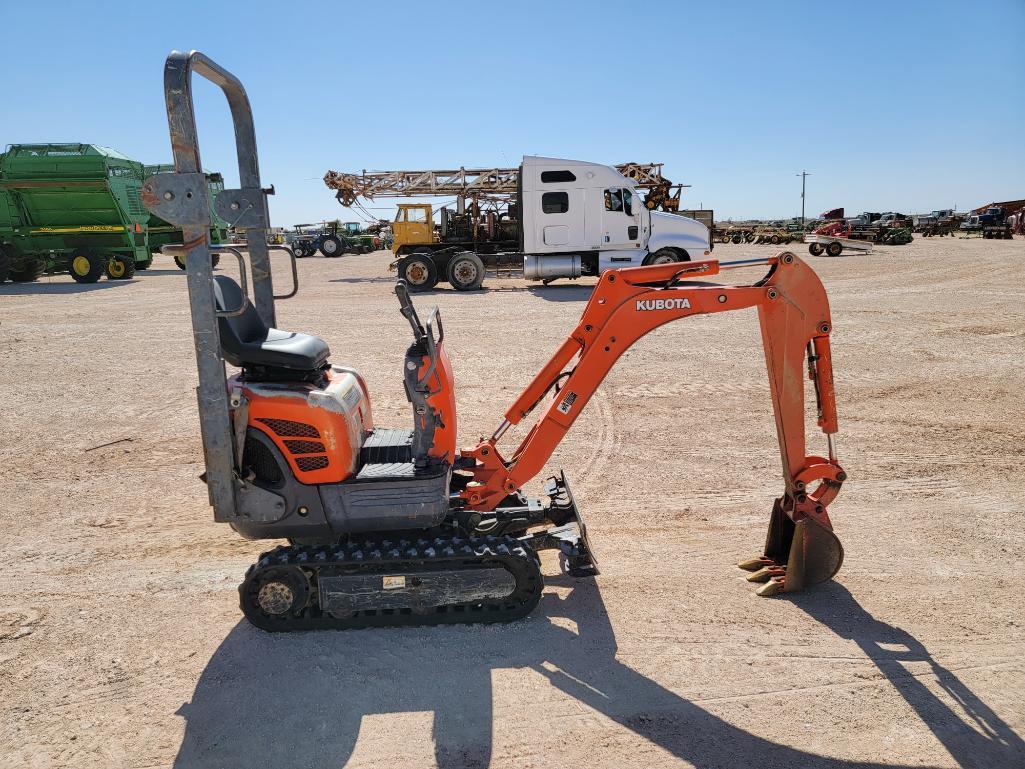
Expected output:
(904, 106)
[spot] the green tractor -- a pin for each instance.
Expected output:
(359, 240)
(73, 208)
(162, 233)
(332, 239)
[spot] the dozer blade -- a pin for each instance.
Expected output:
(810, 552)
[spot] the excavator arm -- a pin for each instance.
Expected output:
(793, 313)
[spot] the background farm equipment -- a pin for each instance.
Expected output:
(74, 208)
(333, 239)
(890, 229)
(361, 241)
(776, 235)
(834, 245)
(991, 223)
(736, 234)
(940, 222)
(764, 232)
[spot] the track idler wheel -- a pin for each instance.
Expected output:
(796, 556)
(274, 595)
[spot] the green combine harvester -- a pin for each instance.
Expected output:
(73, 208)
(162, 233)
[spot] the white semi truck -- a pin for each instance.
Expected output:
(566, 219)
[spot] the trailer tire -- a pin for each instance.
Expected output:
(181, 262)
(419, 271)
(120, 268)
(834, 249)
(331, 246)
(30, 271)
(5, 264)
(466, 271)
(86, 267)
(815, 249)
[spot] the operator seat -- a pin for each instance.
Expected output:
(261, 351)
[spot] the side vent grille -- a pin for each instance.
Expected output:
(305, 447)
(306, 464)
(286, 428)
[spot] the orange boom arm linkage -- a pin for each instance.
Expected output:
(793, 312)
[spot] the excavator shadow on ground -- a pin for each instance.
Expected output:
(299, 700)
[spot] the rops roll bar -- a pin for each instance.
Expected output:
(182, 199)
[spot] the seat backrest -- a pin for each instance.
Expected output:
(236, 331)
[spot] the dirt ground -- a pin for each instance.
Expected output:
(121, 642)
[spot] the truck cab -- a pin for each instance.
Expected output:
(413, 225)
(892, 219)
(584, 218)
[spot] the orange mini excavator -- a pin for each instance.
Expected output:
(398, 526)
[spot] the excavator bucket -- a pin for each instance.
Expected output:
(796, 555)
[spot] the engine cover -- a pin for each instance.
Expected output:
(319, 430)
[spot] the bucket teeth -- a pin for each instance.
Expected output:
(754, 564)
(770, 588)
(764, 574)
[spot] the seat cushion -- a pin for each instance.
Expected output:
(246, 341)
(286, 349)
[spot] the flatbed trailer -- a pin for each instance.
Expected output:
(832, 245)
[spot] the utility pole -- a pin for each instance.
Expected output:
(803, 175)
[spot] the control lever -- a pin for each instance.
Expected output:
(432, 343)
(408, 310)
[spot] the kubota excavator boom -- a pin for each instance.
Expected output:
(794, 315)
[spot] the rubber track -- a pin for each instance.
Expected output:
(393, 556)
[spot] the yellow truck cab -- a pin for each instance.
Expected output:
(413, 225)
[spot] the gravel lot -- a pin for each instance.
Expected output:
(121, 643)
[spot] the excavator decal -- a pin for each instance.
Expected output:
(663, 304)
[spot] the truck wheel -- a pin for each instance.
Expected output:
(466, 271)
(180, 261)
(834, 249)
(419, 271)
(331, 246)
(662, 256)
(5, 264)
(121, 268)
(815, 249)
(86, 267)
